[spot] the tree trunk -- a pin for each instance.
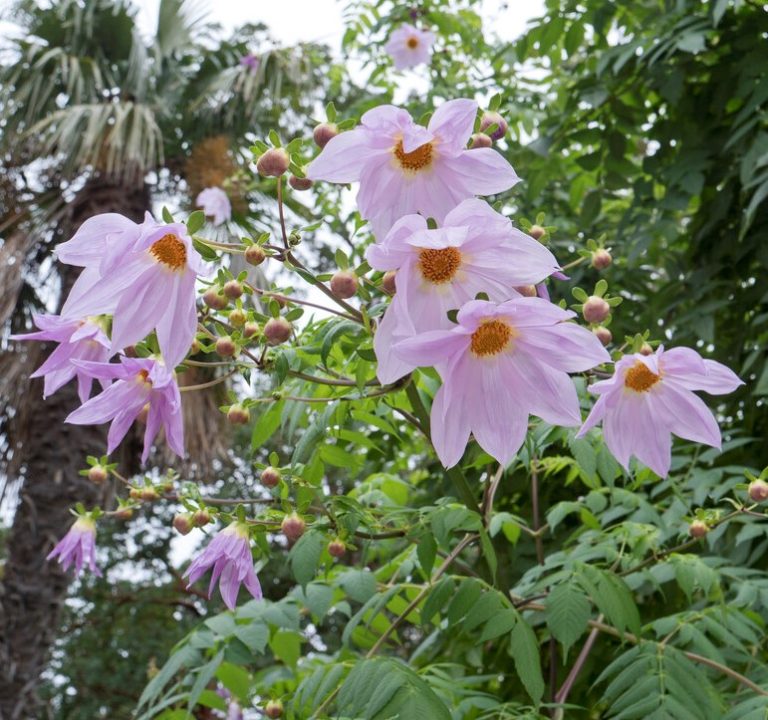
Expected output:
(46, 463)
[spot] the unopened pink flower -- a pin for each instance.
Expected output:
(229, 556)
(215, 203)
(650, 398)
(408, 46)
(78, 547)
(405, 168)
(78, 340)
(144, 276)
(475, 250)
(500, 364)
(251, 62)
(137, 382)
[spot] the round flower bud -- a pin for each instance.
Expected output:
(238, 415)
(124, 513)
(388, 282)
(237, 317)
(273, 163)
(250, 329)
(527, 290)
(595, 310)
(201, 517)
(270, 477)
(134, 493)
(537, 232)
(277, 330)
(233, 289)
(214, 299)
(698, 529)
(148, 494)
(182, 523)
(603, 334)
(130, 351)
(274, 709)
(601, 259)
(298, 183)
(337, 548)
(480, 140)
(97, 474)
(758, 491)
(293, 526)
(254, 255)
(344, 284)
(646, 350)
(323, 134)
(194, 348)
(225, 346)
(493, 118)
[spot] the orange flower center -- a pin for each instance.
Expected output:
(170, 251)
(414, 161)
(639, 378)
(439, 266)
(491, 338)
(412, 42)
(142, 378)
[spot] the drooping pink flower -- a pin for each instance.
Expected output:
(251, 62)
(650, 398)
(78, 546)
(138, 382)
(78, 340)
(408, 46)
(499, 364)
(215, 203)
(229, 555)
(143, 275)
(475, 250)
(405, 168)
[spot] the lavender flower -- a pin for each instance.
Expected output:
(251, 62)
(78, 546)
(215, 203)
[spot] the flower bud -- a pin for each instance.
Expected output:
(493, 118)
(238, 415)
(225, 346)
(277, 330)
(758, 491)
(254, 255)
(601, 259)
(250, 329)
(388, 282)
(603, 334)
(273, 163)
(274, 709)
(130, 351)
(125, 513)
(537, 232)
(214, 299)
(526, 290)
(480, 140)
(323, 134)
(237, 317)
(233, 289)
(148, 494)
(298, 183)
(337, 548)
(182, 523)
(698, 529)
(344, 284)
(270, 477)
(201, 517)
(293, 526)
(646, 350)
(194, 348)
(595, 310)
(134, 493)
(98, 474)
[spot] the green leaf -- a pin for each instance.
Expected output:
(266, 425)
(286, 646)
(195, 221)
(305, 556)
(426, 551)
(524, 649)
(235, 679)
(568, 613)
(204, 676)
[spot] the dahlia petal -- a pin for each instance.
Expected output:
(389, 365)
(120, 426)
(154, 421)
(379, 183)
(476, 213)
(449, 420)
(482, 171)
(685, 414)
(106, 405)
(620, 426)
(176, 328)
(652, 442)
(393, 251)
(595, 416)
(431, 348)
(252, 584)
(343, 159)
(438, 239)
(527, 312)
(139, 310)
(452, 124)
(414, 136)
(87, 245)
(229, 586)
(694, 373)
(565, 346)
(548, 393)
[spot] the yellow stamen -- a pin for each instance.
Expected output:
(412, 42)
(639, 378)
(170, 251)
(491, 338)
(142, 378)
(439, 266)
(418, 159)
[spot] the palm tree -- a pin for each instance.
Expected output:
(95, 118)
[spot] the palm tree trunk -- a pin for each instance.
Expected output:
(48, 461)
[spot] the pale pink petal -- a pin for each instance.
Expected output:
(452, 124)
(547, 393)
(389, 365)
(691, 371)
(121, 425)
(431, 348)
(684, 413)
(651, 441)
(343, 159)
(595, 416)
(565, 346)
(449, 419)
(394, 250)
(482, 171)
(176, 328)
(88, 244)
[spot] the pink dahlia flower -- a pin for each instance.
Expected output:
(78, 546)
(499, 364)
(405, 168)
(78, 340)
(408, 46)
(229, 554)
(138, 382)
(476, 250)
(143, 275)
(650, 398)
(215, 203)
